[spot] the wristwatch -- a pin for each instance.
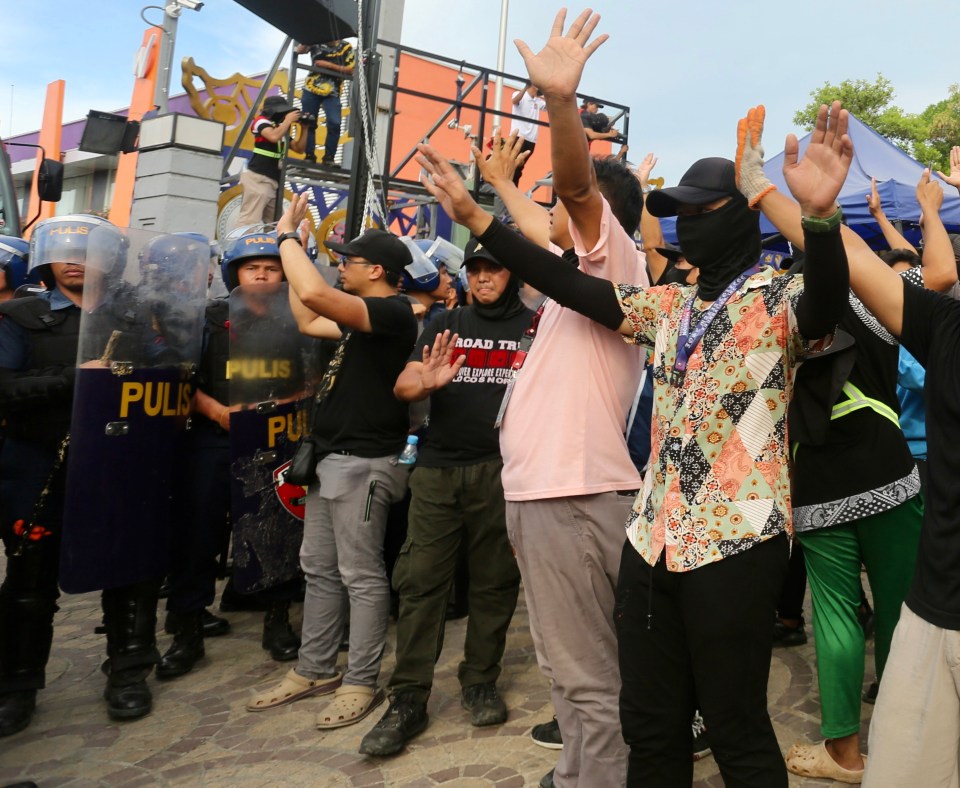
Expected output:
(817, 224)
(286, 237)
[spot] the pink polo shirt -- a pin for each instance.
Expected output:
(562, 434)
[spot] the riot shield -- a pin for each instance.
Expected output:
(141, 332)
(272, 374)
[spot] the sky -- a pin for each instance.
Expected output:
(688, 69)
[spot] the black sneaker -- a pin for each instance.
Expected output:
(547, 734)
(405, 718)
(701, 747)
(789, 636)
(486, 707)
(870, 696)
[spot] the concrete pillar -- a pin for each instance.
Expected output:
(178, 175)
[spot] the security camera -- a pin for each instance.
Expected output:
(193, 5)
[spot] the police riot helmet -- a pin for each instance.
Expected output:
(13, 260)
(255, 244)
(423, 274)
(170, 258)
(63, 239)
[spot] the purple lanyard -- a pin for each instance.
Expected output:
(687, 341)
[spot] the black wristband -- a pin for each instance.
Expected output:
(286, 237)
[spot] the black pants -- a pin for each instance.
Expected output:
(203, 508)
(704, 637)
(526, 146)
(794, 587)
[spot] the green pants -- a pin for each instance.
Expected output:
(886, 544)
(448, 506)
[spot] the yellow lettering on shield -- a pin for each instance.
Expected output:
(130, 393)
(275, 426)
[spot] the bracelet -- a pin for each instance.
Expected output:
(817, 224)
(286, 237)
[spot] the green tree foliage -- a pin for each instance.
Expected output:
(927, 136)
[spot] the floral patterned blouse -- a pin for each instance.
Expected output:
(718, 479)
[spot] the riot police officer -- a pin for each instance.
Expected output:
(39, 338)
(250, 259)
(13, 265)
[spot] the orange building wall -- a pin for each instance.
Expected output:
(415, 116)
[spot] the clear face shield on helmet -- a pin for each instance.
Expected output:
(63, 239)
(153, 279)
(421, 273)
(442, 252)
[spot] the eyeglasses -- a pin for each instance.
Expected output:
(346, 262)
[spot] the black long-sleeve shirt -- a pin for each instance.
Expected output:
(826, 280)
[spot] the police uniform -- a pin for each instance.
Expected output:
(38, 351)
(204, 505)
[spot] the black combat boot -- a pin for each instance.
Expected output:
(130, 619)
(212, 626)
(127, 695)
(16, 711)
(278, 636)
(28, 601)
(186, 649)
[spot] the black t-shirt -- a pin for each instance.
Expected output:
(462, 413)
(931, 332)
(361, 415)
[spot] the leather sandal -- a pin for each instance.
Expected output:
(813, 760)
(351, 704)
(292, 688)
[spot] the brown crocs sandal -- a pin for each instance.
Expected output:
(351, 704)
(813, 760)
(293, 687)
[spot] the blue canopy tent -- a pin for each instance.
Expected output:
(897, 176)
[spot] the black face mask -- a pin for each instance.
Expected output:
(721, 243)
(674, 276)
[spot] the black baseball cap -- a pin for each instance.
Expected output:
(474, 250)
(706, 180)
(277, 105)
(591, 100)
(671, 252)
(376, 246)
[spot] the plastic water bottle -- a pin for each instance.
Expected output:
(409, 454)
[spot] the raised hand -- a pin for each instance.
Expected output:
(444, 183)
(752, 181)
(873, 199)
(294, 215)
(645, 167)
(503, 161)
(954, 177)
(556, 69)
(438, 367)
(816, 180)
(929, 195)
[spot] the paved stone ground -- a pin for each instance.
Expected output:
(199, 733)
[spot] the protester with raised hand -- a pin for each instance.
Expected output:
(914, 732)
(855, 495)
(891, 234)
(565, 516)
(707, 539)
